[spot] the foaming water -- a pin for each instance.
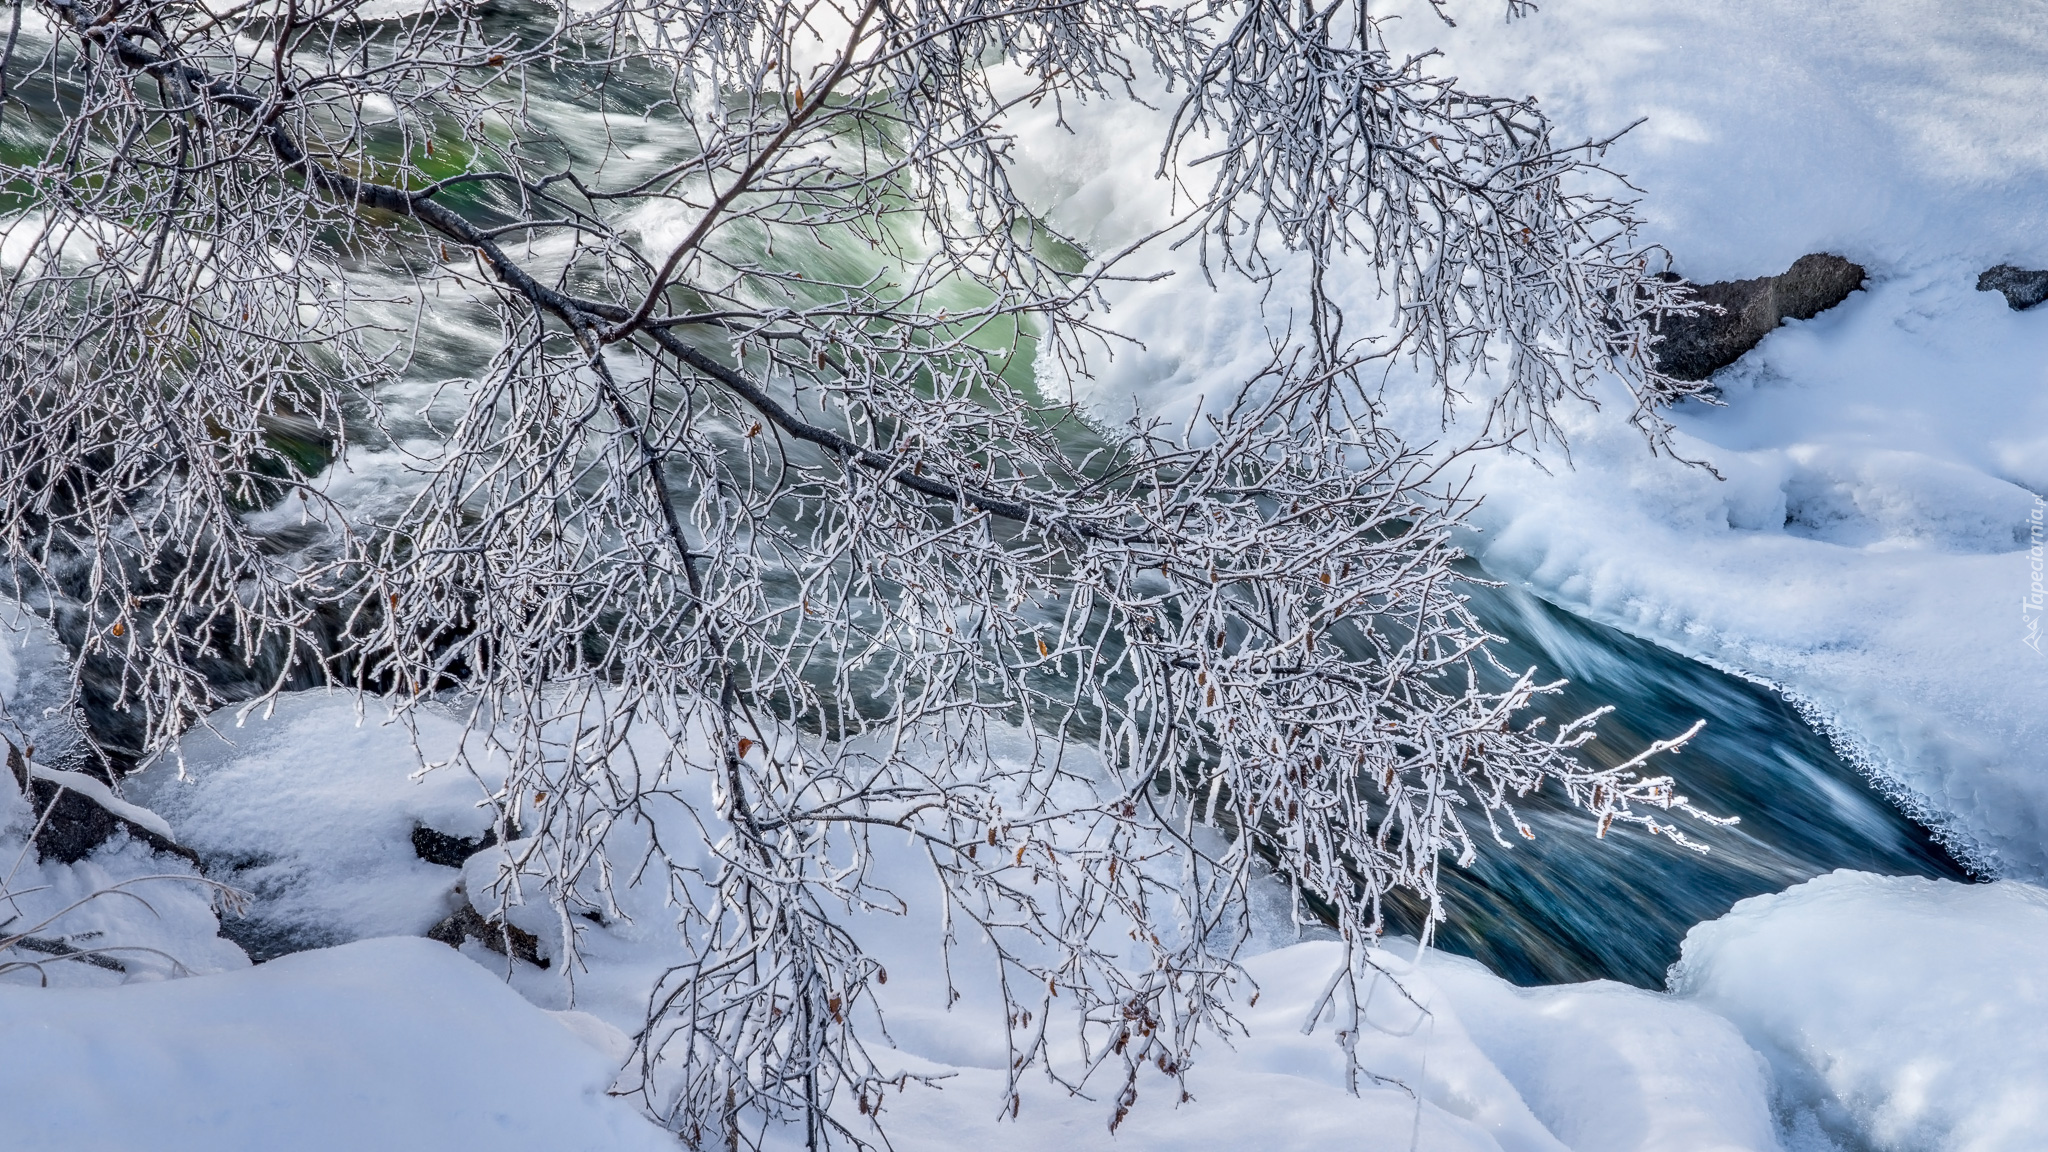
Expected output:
(1567, 906)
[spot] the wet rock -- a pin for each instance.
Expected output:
(64, 950)
(2022, 288)
(1695, 347)
(72, 824)
(450, 851)
(504, 939)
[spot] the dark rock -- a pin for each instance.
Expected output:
(71, 824)
(504, 939)
(1695, 347)
(2022, 288)
(441, 848)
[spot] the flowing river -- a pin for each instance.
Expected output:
(1567, 906)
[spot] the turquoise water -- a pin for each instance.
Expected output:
(1567, 906)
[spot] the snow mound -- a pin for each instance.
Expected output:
(124, 912)
(1463, 1059)
(311, 806)
(1610, 1068)
(380, 1044)
(141, 916)
(1899, 1013)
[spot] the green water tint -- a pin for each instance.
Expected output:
(1565, 906)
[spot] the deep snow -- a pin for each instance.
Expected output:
(1898, 1013)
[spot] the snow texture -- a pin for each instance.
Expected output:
(1870, 1012)
(312, 808)
(1471, 1062)
(1899, 1013)
(395, 1043)
(146, 913)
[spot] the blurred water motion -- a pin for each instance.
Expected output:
(1567, 906)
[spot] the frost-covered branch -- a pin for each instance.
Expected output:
(747, 506)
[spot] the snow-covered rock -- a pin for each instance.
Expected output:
(312, 807)
(1899, 1013)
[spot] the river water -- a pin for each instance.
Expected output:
(1567, 906)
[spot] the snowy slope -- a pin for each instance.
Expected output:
(389, 1044)
(1891, 1013)
(1861, 1011)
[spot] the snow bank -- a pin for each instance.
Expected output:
(1610, 1068)
(381, 1044)
(1891, 1013)
(1868, 551)
(1899, 1013)
(140, 915)
(1470, 1063)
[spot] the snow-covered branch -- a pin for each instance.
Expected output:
(755, 464)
